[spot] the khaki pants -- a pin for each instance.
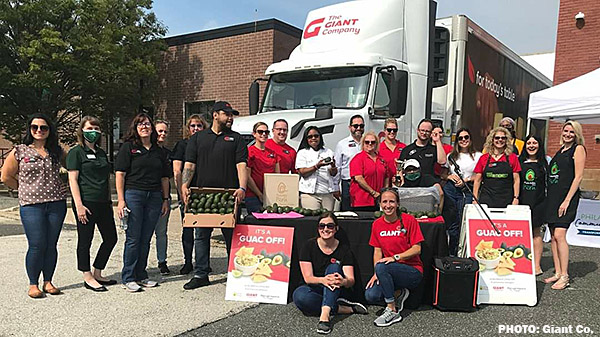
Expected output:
(317, 201)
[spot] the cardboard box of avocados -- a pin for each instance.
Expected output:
(210, 207)
(281, 189)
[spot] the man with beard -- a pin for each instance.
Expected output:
(422, 149)
(277, 144)
(217, 157)
(345, 150)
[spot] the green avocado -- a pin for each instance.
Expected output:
(229, 210)
(297, 209)
(377, 214)
(214, 211)
(403, 210)
(222, 210)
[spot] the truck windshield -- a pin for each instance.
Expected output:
(339, 87)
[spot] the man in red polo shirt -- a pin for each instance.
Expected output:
(277, 144)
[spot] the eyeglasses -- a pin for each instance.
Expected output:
(315, 136)
(391, 130)
(199, 126)
(144, 125)
(370, 142)
(424, 131)
(467, 137)
(263, 132)
(329, 225)
(284, 130)
(358, 126)
(42, 128)
(500, 137)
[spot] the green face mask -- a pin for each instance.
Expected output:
(412, 176)
(91, 136)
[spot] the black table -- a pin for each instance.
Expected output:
(357, 232)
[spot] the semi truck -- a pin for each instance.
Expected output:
(392, 58)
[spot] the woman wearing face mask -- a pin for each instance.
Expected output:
(564, 176)
(33, 168)
(370, 173)
(260, 161)
(318, 173)
(194, 124)
(396, 240)
(327, 271)
(88, 178)
(533, 191)
(464, 155)
(497, 182)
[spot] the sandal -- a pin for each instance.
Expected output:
(552, 279)
(539, 272)
(562, 283)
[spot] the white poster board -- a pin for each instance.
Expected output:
(585, 230)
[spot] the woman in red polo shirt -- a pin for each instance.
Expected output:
(390, 148)
(370, 173)
(396, 240)
(260, 161)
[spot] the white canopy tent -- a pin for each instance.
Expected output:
(577, 99)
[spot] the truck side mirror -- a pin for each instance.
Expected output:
(398, 92)
(253, 97)
(324, 112)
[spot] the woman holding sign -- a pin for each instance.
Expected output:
(327, 268)
(533, 191)
(564, 177)
(396, 240)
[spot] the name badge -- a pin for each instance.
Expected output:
(91, 156)
(29, 159)
(352, 145)
(228, 139)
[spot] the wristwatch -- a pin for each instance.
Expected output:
(397, 257)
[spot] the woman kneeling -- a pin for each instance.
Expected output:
(327, 269)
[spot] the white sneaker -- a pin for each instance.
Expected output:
(132, 287)
(147, 283)
(388, 318)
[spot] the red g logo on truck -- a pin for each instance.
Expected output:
(308, 33)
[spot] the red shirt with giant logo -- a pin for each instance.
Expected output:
(394, 238)
(389, 155)
(260, 162)
(286, 153)
(374, 172)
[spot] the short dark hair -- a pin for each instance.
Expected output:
(329, 214)
(426, 120)
(132, 134)
(304, 142)
(280, 120)
(356, 116)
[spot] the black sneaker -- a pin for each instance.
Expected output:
(324, 327)
(186, 269)
(196, 282)
(164, 270)
(357, 307)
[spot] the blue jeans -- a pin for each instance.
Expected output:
(253, 204)
(309, 298)
(145, 209)
(459, 198)
(391, 277)
(42, 224)
(345, 204)
(161, 236)
(202, 248)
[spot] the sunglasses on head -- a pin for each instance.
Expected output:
(43, 128)
(315, 136)
(370, 142)
(466, 137)
(263, 132)
(500, 137)
(391, 130)
(329, 225)
(358, 126)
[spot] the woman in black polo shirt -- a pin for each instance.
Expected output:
(142, 179)
(88, 179)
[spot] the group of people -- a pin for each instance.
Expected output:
(360, 173)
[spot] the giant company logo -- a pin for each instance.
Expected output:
(487, 82)
(333, 24)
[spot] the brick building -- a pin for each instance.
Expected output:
(577, 53)
(220, 64)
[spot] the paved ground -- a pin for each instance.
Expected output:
(170, 311)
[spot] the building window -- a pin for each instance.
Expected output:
(202, 108)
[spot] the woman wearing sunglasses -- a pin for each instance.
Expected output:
(396, 240)
(318, 173)
(33, 168)
(464, 155)
(497, 182)
(194, 124)
(370, 173)
(260, 161)
(391, 148)
(533, 191)
(327, 270)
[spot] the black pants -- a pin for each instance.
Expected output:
(102, 216)
(187, 240)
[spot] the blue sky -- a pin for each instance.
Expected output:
(526, 26)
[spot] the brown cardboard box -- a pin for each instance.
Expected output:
(281, 189)
(211, 220)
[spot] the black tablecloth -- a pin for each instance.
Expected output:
(356, 232)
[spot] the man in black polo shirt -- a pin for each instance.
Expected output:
(423, 151)
(217, 158)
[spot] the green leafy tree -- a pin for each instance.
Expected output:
(69, 58)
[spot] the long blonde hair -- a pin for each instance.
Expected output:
(488, 147)
(578, 132)
(369, 133)
(186, 131)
